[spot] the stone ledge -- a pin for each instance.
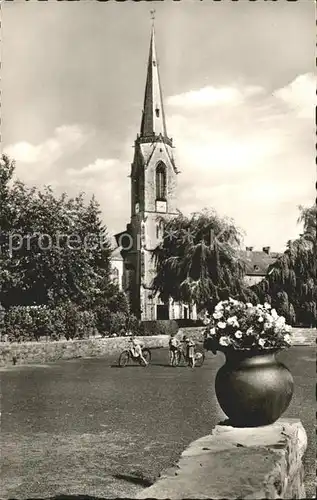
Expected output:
(244, 463)
(44, 352)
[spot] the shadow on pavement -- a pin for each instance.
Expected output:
(167, 365)
(136, 479)
(127, 367)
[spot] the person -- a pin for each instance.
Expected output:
(190, 352)
(173, 348)
(136, 350)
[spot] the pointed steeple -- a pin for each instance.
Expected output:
(153, 117)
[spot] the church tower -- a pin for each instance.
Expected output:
(153, 194)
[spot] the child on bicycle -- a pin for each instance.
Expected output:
(136, 349)
(173, 348)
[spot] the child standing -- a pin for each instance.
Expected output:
(173, 348)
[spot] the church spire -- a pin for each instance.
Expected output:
(153, 118)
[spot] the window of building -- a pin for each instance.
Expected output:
(185, 313)
(161, 182)
(162, 311)
(157, 112)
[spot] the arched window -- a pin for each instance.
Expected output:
(161, 182)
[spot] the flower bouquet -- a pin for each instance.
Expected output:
(242, 326)
(253, 388)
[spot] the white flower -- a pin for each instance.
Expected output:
(217, 315)
(221, 324)
(224, 341)
(267, 326)
(232, 320)
(260, 319)
(274, 314)
(212, 331)
(238, 334)
(288, 328)
(267, 305)
(280, 321)
(261, 342)
(249, 305)
(250, 331)
(287, 338)
(219, 306)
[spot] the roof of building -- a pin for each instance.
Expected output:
(257, 262)
(116, 255)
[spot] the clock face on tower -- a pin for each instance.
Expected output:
(161, 206)
(137, 208)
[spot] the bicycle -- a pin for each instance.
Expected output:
(126, 356)
(180, 358)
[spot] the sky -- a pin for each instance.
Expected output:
(239, 91)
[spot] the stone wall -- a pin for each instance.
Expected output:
(244, 463)
(43, 352)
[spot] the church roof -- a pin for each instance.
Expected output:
(153, 116)
(258, 262)
(116, 255)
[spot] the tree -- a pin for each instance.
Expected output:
(291, 282)
(52, 248)
(198, 262)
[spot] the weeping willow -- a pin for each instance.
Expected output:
(291, 283)
(197, 261)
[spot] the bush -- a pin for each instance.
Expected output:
(29, 323)
(67, 320)
(86, 324)
(2, 316)
(134, 325)
(117, 323)
(188, 323)
(159, 327)
(20, 324)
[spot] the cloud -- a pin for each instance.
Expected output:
(300, 95)
(251, 159)
(213, 96)
(99, 166)
(244, 150)
(66, 139)
(107, 179)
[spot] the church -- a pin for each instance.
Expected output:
(153, 195)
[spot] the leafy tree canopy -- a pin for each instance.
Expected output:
(53, 248)
(198, 260)
(291, 282)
